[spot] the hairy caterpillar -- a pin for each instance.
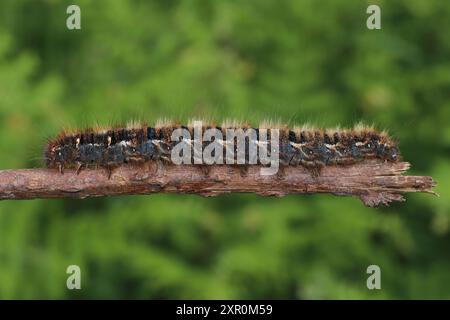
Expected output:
(138, 143)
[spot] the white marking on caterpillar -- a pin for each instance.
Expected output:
(297, 145)
(333, 148)
(156, 142)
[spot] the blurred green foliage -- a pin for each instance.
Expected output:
(297, 61)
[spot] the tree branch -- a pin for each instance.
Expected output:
(374, 182)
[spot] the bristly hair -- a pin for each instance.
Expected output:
(163, 122)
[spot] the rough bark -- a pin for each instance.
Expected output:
(374, 182)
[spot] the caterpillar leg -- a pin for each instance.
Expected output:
(160, 165)
(243, 170)
(109, 170)
(315, 172)
(316, 168)
(61, 168)
(205, 170)
(78, 168)
(281, 172)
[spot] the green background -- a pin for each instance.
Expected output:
(296, 61)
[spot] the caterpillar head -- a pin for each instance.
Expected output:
(388, 151)
(58, 155)
(392, 153)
